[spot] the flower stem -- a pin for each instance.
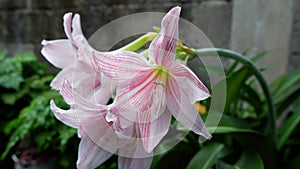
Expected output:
(140, 42)
(247, 62)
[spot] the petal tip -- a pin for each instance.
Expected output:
(67, 15)
(44, 42)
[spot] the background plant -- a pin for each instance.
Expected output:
(26, 119)
(259, 126)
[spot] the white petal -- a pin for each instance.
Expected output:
(68, 117)
(76, 26)
(67, 25)
(152, 132)
(189, 83)
(120, 66)
(163, 47)
(59, 52)
(181, 108)
(134, 96)
(134, 163)
(90, 155)
(105, 92)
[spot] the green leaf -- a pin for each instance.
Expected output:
(288, 82)
(181, 54)
(259, 56)
(24, 57)
(275, 85)
(260, 143)
(232, 68)
(252, 70)
(11, 80)
(223, 165)
(212, 69)
(294, 162)
(250, 160)
(3, 54)
(35, 116)
(252, 97)
(65, 134)
(11, 98)
(288, 98)
(231, 125)
(289, 126)
(234, 84)
(208, 156)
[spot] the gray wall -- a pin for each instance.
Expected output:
(24, 23)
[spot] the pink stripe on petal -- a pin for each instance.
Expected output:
(68, 117)
(90, 155)
(153, 131)
(134, 163)
(67, 93)
(105, 92)
(163, 47)
(88, 107)
(133, 150)
(101, 132)
(181, 108)
(189, 83)
(134, 97)
(120, 66)
(65, 74)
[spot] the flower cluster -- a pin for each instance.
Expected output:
(148, 92)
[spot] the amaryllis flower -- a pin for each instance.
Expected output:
(98, 136)
(151, 91)
(74, 57)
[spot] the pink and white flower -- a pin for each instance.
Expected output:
(151, 91)
(74, 57)
(98, 136)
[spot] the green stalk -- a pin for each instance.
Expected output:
(140, 42)
(247, 62)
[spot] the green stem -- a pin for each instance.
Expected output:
(247, 62)
(140, 42)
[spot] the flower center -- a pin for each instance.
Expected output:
(162, 74)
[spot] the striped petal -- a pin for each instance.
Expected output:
(90, 155)
(189, 83)
(153, 131)
(134, 97)
(105, 92)
(87, 106)
(181, 108)
(163, 47)
(91, 117)
(120, 66)
(83, 78)
(134, 163)
(65, 74)
(68, 117)
(133, 156)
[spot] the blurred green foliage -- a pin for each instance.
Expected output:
(259, 127)
(26, 118)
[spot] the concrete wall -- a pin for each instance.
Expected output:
(294, 58)
(257, 25)
(264, 25)
(24, 23)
